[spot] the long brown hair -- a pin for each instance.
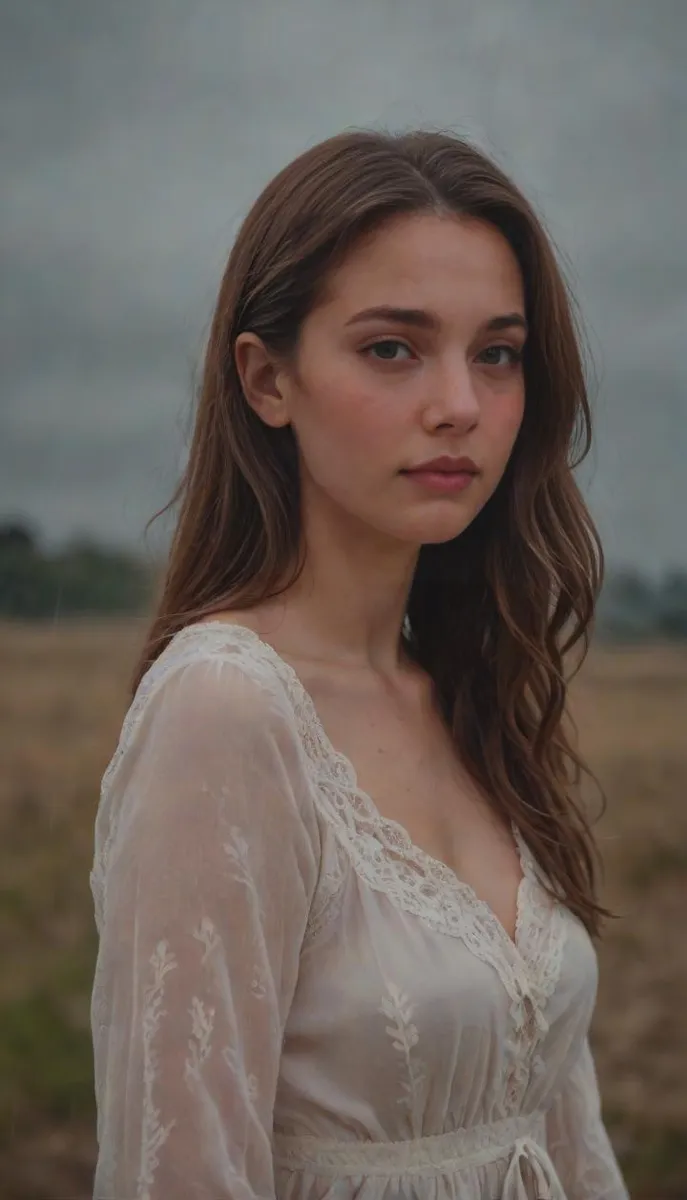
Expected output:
(495, 613)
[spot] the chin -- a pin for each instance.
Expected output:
(433, 538)
(435, 532)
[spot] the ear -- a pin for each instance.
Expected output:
(262, 379)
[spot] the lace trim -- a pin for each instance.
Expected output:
(542, 933)
(385, 856)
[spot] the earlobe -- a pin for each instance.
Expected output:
(261, 380)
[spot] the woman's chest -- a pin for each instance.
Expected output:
(392, 1003)
(407, 764)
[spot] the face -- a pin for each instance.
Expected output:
(371, 396)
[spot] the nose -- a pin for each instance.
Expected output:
(453, 400)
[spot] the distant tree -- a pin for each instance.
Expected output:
(15, 536)
(80, 580)
(672, 605)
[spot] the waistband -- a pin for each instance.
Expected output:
(445, 1152)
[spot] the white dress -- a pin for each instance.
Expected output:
(291, 999)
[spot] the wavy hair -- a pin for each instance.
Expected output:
(495, 614)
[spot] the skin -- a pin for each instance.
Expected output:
(369, 399)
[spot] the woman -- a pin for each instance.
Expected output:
(344, 889)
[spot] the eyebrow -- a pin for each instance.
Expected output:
(422, 319)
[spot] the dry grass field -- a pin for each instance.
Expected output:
(62, 698)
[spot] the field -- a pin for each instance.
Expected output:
(62, 698)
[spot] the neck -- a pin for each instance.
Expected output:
(348, 606)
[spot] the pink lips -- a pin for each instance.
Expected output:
(446, 462)
(442, 481)
(444, 474)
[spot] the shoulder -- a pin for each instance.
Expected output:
(218, 661)
(214, 682)
(211, 747)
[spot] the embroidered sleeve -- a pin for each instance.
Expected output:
(579, 1145)
(205, 895)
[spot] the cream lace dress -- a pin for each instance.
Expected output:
(291, 999)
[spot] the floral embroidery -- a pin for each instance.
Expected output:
(203, 1023)
(207, 934)
(154, 1134)
(238, 852)
(404, 1035)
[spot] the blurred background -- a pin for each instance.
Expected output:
(134, 138)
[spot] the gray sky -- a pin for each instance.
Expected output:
(136, 134)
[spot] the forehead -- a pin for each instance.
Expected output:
(427, 259)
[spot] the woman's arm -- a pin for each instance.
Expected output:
(577, 1140)
(207, 889)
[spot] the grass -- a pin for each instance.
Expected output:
(61, 706)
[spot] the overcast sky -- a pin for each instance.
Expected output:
(136, 133)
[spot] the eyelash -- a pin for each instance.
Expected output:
(516, 355)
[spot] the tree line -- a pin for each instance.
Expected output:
(82, 579)
(87, 579)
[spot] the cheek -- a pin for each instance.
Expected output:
(505, 418)
(343, 421)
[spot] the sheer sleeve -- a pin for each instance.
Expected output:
(206, 886)
(578, 1143)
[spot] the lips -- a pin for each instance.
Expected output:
(441, 481)
(445, 465)
(440, 471)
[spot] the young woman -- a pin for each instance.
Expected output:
(344, 885)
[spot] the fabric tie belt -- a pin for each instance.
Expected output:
(541, 1181)
(519, 1141)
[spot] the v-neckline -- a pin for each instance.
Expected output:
(435, 868)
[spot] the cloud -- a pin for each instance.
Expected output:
(139, 135)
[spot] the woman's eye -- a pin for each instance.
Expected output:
(514, 359)
(387, 346)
